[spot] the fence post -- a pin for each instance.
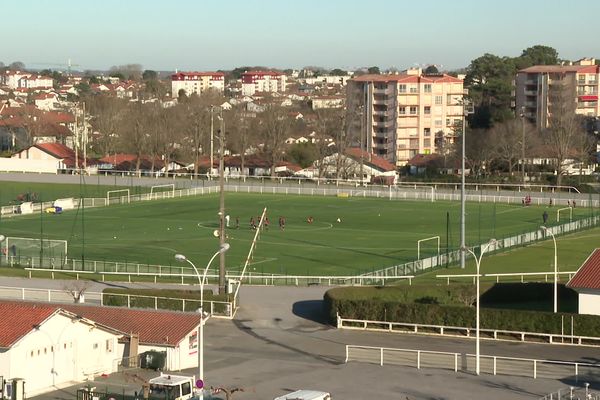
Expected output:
(155, 302)
(534, 369)
(381, 356)
(418, 359)
(128, 301)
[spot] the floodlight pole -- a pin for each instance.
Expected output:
(462, 188)
(201, 280)
(221, 205)
(212, 137)
(523, 143)
(478, 264)
(555, 268)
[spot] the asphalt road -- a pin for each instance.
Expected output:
(279, 342)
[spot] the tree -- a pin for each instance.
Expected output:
(127, 71)
(537, 55)
(506, 139)
(242, 129)
(337, 72)
(108, 113)
(303, 154)
(149, 75)
(565, 127)
(83, 88)
(373, 70)
(489, 79)
(17, 66)
(274, 129)
(431, 70)
(133, 131)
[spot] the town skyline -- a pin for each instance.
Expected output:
(335, 34)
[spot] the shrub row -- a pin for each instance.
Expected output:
(170, 300)
(351, 303)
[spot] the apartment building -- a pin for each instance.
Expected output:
(262, 81)
(533, 87)
(197, 82)
(25, 80)
(400, 116)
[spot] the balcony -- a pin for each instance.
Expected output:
(383, 124)
(387, 91)
(530, 93)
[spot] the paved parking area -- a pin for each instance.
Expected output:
(278, 343)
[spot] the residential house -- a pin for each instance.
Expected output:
(586, 282)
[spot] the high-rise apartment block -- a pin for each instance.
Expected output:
(400, 116)
(262, 81)
(533, 89)
(197, 82)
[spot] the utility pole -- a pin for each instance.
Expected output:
(212, 136)
(467, 109)
(221, 205)
(85, 140)
(523, 143)
(75, 110)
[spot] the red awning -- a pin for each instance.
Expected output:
(588, 98)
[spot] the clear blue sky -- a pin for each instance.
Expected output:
(212, 34)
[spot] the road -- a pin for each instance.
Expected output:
(279, 341)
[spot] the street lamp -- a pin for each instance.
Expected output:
(523, 143)
(478, 264)
(467, 109)
(555, 268)
(201, 279)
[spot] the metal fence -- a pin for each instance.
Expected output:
(218, 309)
(465, 332)
(573, 393)
(494, 365)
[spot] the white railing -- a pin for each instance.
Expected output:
(573, 393)
(250, 278)
(218, 309)
(521, 275)
(465, 332)
(417, 266)
(494, 365)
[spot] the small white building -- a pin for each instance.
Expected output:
(263, 81)
(586, 282)
(50, 348)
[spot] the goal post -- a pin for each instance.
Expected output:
(18, 247)
(570, 209)
(169, 192)
(437, 238)
(124, 195)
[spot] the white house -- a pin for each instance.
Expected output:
(347, 165)
(46, 101)
(586, 282)
(175, 333)
(50, 348)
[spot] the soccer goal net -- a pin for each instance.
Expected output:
(564, 211)
(20, 247)
(428, 247)
(162, 191)
(118, 196)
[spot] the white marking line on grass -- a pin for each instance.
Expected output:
(269, 259)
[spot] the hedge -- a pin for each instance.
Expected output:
(169, 301)
(360, 303)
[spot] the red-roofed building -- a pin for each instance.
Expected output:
(263, 81)
(58, 156)
(533, 88)
(50, 347)
(197, 82)
(353, 164)
(401, 114)
(586, 282)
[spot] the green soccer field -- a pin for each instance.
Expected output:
(373, 233)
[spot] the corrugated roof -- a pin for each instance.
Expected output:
(588, 275)
(18, 319)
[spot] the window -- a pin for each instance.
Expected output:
(438, 122)
(427, 143)
(448, 122)
(414, 89)
(427, 110)
(413, 110)
(427, 88)
(438, 100)
(95, 346)
(402, 110)
(402, 89)
(186, 389)
(109, 345)
(31, 354)
(427, 132)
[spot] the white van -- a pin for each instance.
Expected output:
(305, 395)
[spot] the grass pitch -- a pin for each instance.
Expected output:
(373, 233)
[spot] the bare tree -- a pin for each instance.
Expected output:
(329, 125)
(108, 113)
(505, 138)
(241, 128)
(565, 126)
(133, 135)
(77, 290)
(274, 129)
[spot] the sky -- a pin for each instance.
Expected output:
(208, 35)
